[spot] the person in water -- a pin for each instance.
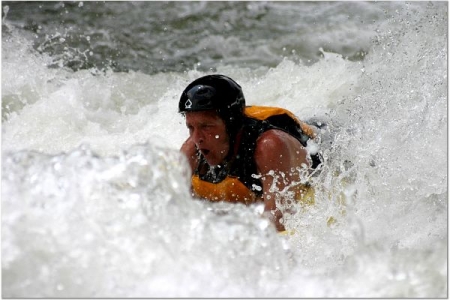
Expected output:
(241, 153)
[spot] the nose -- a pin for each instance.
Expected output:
(197, 136)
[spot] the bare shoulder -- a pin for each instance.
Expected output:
(278, 148)
(277, 140)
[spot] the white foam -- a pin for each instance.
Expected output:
(82, 218)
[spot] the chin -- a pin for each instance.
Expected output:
(213, 162)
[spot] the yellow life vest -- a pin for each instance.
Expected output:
(231, 189)
(265, 112)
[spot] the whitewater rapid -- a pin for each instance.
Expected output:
(96, 199)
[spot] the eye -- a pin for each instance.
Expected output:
(208, 127)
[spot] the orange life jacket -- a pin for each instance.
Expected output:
(238, 182)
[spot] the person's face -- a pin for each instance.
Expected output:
(207, 130)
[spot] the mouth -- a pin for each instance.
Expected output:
(205, 152)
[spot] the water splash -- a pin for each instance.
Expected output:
(111, 224)
(81, 224)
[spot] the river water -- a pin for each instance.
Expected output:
(95, 195)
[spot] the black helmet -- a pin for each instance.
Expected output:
(215, 92)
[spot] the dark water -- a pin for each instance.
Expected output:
(157, 37)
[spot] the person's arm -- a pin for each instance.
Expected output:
(277, 154)
(188, 148)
